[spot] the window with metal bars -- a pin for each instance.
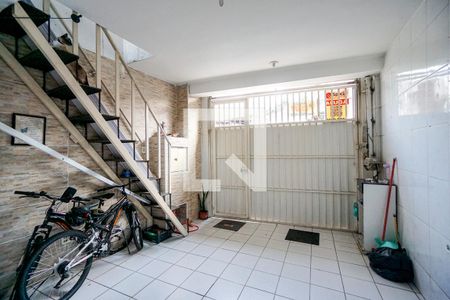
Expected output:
(322, 104)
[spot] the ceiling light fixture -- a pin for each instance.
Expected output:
(274, 63)
(221, 3)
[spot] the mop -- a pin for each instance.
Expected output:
(390, 260)
(382, 243)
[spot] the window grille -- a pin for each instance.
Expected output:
(324, 104)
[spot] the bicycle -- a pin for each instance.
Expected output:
(104, 233)
(113, 214)
(64, 221)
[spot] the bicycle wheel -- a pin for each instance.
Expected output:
(121, 233)
(47, 273)
(138, 238)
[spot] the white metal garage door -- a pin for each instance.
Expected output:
(311, 159)
(232, 200)
(311, 176)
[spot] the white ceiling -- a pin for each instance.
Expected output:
(196, 39)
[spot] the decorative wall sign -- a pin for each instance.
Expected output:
(32, 126)
(336, 104)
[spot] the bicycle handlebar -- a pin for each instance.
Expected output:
(31, 194)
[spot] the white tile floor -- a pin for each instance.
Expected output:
(254, 263)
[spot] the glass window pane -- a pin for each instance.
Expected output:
(296, 107)
(267, 109)
(315, 96)
(261, 110)
(279, 110)
(251, 111)
(302, 107)
(350, 104)
(273, 115)
(322, 105)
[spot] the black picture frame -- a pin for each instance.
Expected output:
(31, 125)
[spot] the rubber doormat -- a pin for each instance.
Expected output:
(303, 236)
(229, 225)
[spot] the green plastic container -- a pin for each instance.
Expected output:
(156, 235)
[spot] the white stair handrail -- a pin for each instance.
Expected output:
(32, 142)
(69, 31)
(78, 138)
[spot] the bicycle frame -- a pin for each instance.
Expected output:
(72, 264)
(44, 229)
(115, 210)
(42, 232)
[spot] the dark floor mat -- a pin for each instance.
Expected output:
(229, 225)
(303, 236)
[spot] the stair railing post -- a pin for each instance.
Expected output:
(98, 56)
(74, 36)
(98, 73)
(169, 162)
(127, 69)
(133, 114)
(147, 145)
(159, 149)
(117, 83)
(46, 6)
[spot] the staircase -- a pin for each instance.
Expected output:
(21, 20)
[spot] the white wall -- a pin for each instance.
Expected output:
(416, 106)
(289, 77)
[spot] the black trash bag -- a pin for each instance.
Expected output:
(393, 265)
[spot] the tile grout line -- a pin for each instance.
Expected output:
(284, 261)
(218, 277)
(228, 263)
(252, 270)
(112, 288)
(310, 266)
(339, 266)
(192, 273)
(371, 276)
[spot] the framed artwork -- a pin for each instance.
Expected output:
(32, 126)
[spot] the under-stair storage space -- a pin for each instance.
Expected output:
(101, 129)
(173, 155)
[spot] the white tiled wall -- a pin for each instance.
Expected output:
(416, 118)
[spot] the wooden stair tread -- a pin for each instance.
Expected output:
(106, 141)
(36, 59)
(120, 159)
(9, 25)
(63, 92)
(85, 119)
